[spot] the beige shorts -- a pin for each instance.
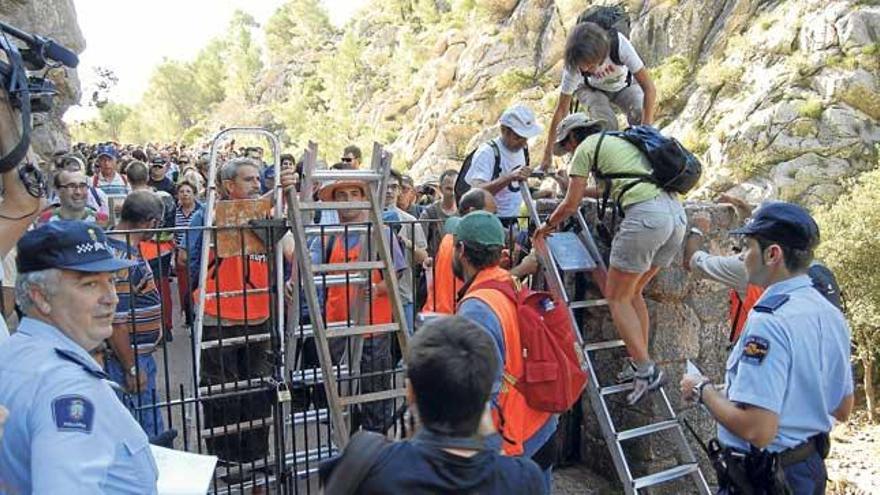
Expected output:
(650, 234)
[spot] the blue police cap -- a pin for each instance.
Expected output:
(69, 245)
(785, 223)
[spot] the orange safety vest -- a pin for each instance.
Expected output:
(517, 422)
(441, 293)
(739, 309)
(231, 275)
(339, 299)
(153, 249)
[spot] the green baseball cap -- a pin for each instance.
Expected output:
(451, 224)
(480, 227)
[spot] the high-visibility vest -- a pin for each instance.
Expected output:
(445, 286)
(739, 309)
(233, 274)
(514, 419)
(153, 249)
(339, 299)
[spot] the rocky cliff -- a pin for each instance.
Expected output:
(55, 19)
(780, 98)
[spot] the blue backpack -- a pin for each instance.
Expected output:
(673, 167)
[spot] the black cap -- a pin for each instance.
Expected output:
(69, 245)
(788, 224)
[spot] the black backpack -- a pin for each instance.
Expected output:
(673, 167)
(461, 186)
(614, 19)
(825, 282)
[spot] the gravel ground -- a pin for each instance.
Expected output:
(854, 463)
(578, 480)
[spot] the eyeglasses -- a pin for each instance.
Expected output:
(346, 159)
(81, 185)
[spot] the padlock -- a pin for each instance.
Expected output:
(283, 392)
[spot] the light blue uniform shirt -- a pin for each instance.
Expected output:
(793, 359)
(67, 432)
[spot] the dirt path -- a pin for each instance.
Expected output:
(854, 463)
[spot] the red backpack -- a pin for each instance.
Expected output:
(553, 362)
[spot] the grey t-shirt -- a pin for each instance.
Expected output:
(728, 270)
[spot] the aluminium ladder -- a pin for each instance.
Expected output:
(572, 252)
(358, 273)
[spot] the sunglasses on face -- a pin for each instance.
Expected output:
(346, 159)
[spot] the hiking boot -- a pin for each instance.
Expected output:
(647, 379)
(628, 373)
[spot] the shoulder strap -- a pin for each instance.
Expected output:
(496, 170)
(614, 47)
(507, 289)
(359, 456)
(94, 193)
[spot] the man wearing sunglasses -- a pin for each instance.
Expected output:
(73, 195)
(352, 157)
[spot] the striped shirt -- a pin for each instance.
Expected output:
(181, 219)
(139, 310)
(117, 186)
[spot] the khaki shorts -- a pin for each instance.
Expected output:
(650, 235)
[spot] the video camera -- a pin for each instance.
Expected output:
(29, 94)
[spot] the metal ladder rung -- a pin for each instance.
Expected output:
(335, 229)
(311, 376)
(223, 430)
(352, 266)
(616, 389)
(642, 431)
(340, 279)
(666, 475)
(362, 175)
(588, 304)
(235, 293)
(372, 397)
(230, 341)
(354, 331)
(293, 458)
(241, 386)
(601, 346)
(336, 205)
(305, 331)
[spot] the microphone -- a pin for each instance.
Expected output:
(55, 51)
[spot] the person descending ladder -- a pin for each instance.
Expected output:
(351, 293)
(572, 252)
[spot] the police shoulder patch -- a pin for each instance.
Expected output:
(770, 304)
(755, 349)
(73, 413)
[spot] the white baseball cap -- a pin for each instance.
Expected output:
(521, 120)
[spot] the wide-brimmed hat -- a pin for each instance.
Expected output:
(570, 123)
(327, 190)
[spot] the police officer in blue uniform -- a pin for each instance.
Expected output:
(789, 377)
(67, 431)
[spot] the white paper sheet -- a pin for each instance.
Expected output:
(183, 473)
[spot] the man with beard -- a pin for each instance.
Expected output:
(236, 305)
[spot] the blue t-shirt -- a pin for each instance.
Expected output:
(413, 467)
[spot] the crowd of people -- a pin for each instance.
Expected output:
(93, 280)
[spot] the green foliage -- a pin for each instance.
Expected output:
(297, 27)
(849, 247)
(670, 78)
(716, 74)
(863, 99)
(811, 108)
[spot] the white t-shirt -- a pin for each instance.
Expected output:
(482, 165)
(609, 77)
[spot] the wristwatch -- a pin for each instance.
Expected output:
(133, 371)
(698, 389)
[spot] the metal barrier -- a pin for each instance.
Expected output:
(271, 427)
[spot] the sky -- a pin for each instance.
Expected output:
(133, 36)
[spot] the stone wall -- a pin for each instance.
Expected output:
(688, 321)
(55, 19)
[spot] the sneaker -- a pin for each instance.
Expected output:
(628, 373)
(647, 379)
